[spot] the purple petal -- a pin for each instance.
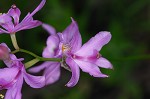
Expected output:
(9, 26)
(4, 18)
(53, 41)
(69, 33)
(40, 6)
(27, 25)
(76, 41)
(28, 17)
(75, 72)
(51, 30)
(52, 46)
(13, 61)
(3, 31)
(34, 81)
(90, 68)
(104, 63)
(47, 53)
(15, 91)
(15, 13)
(95, 43)
(7, 75)
(6, 23)
(52, 73)
(40, 67)
(4, 44)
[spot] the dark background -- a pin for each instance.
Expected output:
(129, 49)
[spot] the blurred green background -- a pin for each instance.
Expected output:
(129, 50)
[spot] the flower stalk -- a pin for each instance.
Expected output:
(36, 56)
(31, 63)
(14, 41)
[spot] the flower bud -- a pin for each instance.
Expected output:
(4, 52)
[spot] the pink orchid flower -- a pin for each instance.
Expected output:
(68, 45)
(11, 77)
(9, 22)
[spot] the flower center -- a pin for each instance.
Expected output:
(1, 96)
(66, 48)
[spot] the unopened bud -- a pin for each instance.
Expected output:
(4, 52)
(13, 6)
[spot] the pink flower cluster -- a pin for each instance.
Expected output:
(66, 45)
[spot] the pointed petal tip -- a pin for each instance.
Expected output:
(105, 33)
(70, 85)
(111, 67)
(39, 7)
(104, 76)
(100, 75)
(72, 19)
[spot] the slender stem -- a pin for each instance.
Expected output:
(36, 56)
(14, 41)
(31, 63)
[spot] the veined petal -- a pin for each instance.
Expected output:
(53, 40)
(52, 46)
(28, 17)
(51, 30)
(9, 26)
(3, 31)
(104, 63)
(90, 68)
(15, 91)
(95, 43)
(27, 25)
(14, 58)
(47, 53)
(34, 81)
(75, 72)
(40, 67)
(4, 18)
(40, 6)
(52, 73)
(13, 61)
(6, 23)
(7, 75)
(76, 41)
(69, 33)
(15, 13)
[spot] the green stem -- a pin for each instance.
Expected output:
(36, 56)
(14, 41)
(31, 63)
